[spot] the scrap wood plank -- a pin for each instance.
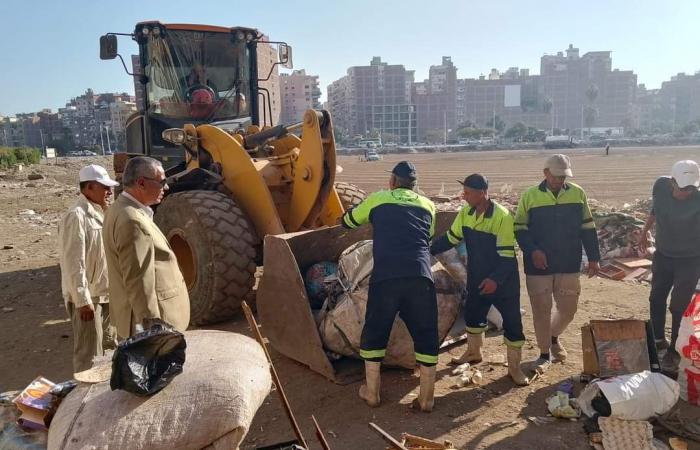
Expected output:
(387, 437)
(621, 329)
(612, 272)
(633, 263)
(635, 274)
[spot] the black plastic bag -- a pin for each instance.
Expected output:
(146, 362)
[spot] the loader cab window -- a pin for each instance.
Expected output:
(197, 75)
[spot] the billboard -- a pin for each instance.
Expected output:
(512, 96)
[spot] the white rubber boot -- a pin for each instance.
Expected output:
(369, 392)
(559, 353)
(473, 353)
(426, 396)
(514, 370)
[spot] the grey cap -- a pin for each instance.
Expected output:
(559, 165)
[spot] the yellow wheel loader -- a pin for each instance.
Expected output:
(234, 177)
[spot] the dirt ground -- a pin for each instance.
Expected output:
(36, 336)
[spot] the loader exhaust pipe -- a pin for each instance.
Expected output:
(258, 139)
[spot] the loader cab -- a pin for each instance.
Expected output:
(192, 74)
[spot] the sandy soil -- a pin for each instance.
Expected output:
(36, 337)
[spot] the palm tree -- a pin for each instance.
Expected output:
(591, 111)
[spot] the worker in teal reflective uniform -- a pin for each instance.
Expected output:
(492, 272)
(403, 222)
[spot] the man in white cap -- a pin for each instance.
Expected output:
(552, 224)
(676, 262)
(84, 266)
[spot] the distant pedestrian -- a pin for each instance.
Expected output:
(676, 261)
(607, 149)
(83, 265)
(552, 224)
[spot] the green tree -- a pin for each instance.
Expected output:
(590, 115)
(592, 92)
(517, 131)
(435, 136)
(495, 122)
(390, 137)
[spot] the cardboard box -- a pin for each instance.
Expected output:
(614, 347)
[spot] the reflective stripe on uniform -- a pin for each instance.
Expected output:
(371, 354)
(426, 359)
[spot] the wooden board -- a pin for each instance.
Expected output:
(618, 330)
(635, 274)
(590, 357)
(633, 263)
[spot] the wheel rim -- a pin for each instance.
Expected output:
(186, 258)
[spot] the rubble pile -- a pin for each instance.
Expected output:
(619, 233)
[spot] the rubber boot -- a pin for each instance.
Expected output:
(426, 396)
(558, 351)
(369, 392)
(514, 370)
(473, 354)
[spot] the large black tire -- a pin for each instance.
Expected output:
(350, 195)
(216, 248)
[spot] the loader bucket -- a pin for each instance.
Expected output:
(282, 302)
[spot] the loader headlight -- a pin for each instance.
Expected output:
(174, 136)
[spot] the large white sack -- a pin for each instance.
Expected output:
(342, 321)
(210, 405)
(638, 396)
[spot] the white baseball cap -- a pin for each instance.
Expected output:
(686, 173)
(93, 172)
(559, 165)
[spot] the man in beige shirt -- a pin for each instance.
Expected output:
(145, 281)
(84, 268)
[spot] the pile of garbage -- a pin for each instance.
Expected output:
(619, 234)
(341, 317)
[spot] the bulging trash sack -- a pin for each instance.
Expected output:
(343, 316)
(211, 404)
(147, 361)
(638, 396)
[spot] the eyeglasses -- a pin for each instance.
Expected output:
(162, 182)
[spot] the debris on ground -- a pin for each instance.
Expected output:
(541, 420)
(468, 376)
(626, 434)
(640, 396)
(562, 406)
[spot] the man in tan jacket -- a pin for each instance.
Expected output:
(84, 268)
(145, 281)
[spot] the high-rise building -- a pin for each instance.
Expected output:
(374, 98)
(512, 97)
(680, 99)
(299, 92)
(585, 91)
(12, 132)
(119, 113)
(435, 99)
(270, 109)
(139, 87)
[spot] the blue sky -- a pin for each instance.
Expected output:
(50, 49)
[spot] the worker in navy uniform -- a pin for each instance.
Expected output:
(403, 223)
(492, 272)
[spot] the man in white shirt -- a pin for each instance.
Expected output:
(83, 263)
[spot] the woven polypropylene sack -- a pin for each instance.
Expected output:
(341, 327)
(210, 405)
